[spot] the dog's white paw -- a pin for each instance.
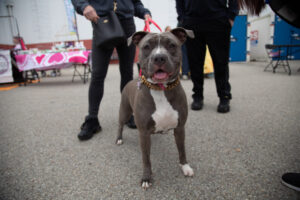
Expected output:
(146, 185)
(119, 142)
(187, 170)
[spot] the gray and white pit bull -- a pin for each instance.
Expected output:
(158, 102)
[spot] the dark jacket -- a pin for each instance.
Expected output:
(206, 10)
(125, 8)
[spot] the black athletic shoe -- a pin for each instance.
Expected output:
(131, 123)
(197, 104)
(291, 180)
(89, 128)
(224, 106)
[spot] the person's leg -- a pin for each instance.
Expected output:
(100, 62)
(219, 44)
(196, 54)
(126, 56)
(185, 63)
(126, 53)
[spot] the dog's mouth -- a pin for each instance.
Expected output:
(160, 76)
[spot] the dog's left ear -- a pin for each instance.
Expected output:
(182, 34)
(136, 38)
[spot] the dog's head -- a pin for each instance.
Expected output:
(160, 53)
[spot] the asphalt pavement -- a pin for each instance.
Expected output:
(239, 155)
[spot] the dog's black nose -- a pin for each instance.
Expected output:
(160, 59)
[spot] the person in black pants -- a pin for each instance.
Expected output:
(211, 22)
(92, 10)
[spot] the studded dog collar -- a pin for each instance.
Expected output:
(160, 86)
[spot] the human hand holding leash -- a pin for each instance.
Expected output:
(90, 13)
(147, 17)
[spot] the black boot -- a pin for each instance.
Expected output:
(131, 123)
(89, 128)
(224, 106)
(291, 180)
(197, 104)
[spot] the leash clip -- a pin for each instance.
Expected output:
(161, 86)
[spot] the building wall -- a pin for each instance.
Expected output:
(261, 33)
(39, 21)
(42, 22)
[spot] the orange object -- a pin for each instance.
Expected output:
(208, 63)
(8, 87)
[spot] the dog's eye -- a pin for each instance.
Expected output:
(172, 46)
(146, 47)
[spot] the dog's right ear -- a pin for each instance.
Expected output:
(182, 34)
(136, 38)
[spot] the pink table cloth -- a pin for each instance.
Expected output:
(46, 61)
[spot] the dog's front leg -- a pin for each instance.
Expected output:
(145, 142)
(179, 134)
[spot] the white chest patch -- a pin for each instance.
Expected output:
(165, 117)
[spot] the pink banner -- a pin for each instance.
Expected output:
(46, 61)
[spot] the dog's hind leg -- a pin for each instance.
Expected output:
(119, 140)
(125, 113)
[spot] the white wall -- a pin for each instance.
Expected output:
(42, 21)
(5, 33)
(262, 25)
(84, 28)
(39, 21)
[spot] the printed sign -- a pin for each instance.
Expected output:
(5, 67)
(254, 38)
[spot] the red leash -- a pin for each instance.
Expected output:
(147, 25)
